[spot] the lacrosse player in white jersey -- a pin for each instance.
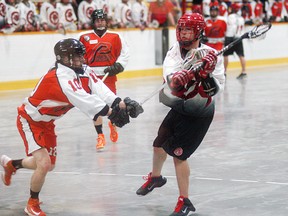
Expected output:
(85, 9)
(235, 29)
(67, 15)
(12, 18)
(2, 13)
(190, 97)
(29, 19)
(123, 15)
(70, 83)
(140, 14)
(49, 16)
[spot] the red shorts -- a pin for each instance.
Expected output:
(37, 135)
(110, 82)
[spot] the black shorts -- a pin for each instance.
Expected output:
(238, 48)
(180, 135)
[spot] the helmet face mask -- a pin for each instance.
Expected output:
(189, 29)
(70, 52)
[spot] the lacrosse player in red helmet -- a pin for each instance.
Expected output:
(190, 97)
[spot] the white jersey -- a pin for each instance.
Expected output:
(85, 10)
(139, 13)
(49, 15)
(104, 5)
(235, 25)
(67, 16)
(12, 17)
(27, 13)
(2, 12)
(123, 14)
(193, 103)
(61, 89)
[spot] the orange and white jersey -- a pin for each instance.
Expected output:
(67, 16)
(85, 10)
(49, 15)
(123, 14)
(235, 25)
(215, 32)
(139, 13)
(104, 51)
(61, 89)
(27, 13)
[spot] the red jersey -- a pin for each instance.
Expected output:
(286, 5)
(258, 10)
(276, 9)
(215, 32)
(159, 12)
(104, 51)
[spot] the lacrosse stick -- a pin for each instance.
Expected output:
(256, 32)
(106, 75)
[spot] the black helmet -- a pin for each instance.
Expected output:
(214, 7)
(98, 14)
(69, 48)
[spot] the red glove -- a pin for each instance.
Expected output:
(180, 79)
(210, 61)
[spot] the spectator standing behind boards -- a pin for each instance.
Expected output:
(49, 16)
(257, 8)
(123, 15)
(85, 9)
(2, 13)
(12, 18)
(285, 3)
(235, 29)
(246, 12)
(215, 30)
(29, 19)
(67, 15)
(223, 9)
(276, 11)
(106, 52)
(140, 14)
(161, 11)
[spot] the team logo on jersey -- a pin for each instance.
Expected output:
(93, 41)
(69, 15)
(30, 17)
(178, 151)
(54, 17)
(89, 11)
(15, 17)
(86, 38)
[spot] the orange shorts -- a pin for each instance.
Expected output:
(38, 135)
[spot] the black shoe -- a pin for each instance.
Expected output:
(183, 207)
(150, 184)
(242, 76)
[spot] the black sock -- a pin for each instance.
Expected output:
(34, 195)
(99, 129)
(17, 164)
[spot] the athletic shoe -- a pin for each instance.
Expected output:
(113, 132)
(100, 142)
(9, 169)
(150, 184)
(183, 207)
(33, 208)
(242, 76)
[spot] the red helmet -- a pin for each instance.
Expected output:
(196, 22)
(236, 6)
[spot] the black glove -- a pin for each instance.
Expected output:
(114, 69)
(133, 107)
(119, 117)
